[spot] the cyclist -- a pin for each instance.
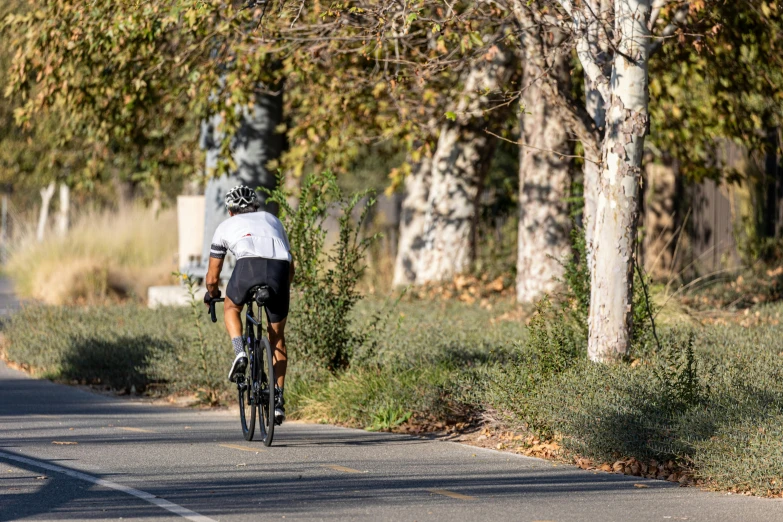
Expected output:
(259, 242)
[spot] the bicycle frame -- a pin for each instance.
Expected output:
(257, 386)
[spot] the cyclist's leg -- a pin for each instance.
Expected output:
(277, 312)
(233, 322)
(232, 309)
(232, 315)
(280, 356)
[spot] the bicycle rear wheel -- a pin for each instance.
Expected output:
(266, 402)
(247, 406)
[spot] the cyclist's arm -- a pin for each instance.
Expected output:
(217, 253)
(213, 275)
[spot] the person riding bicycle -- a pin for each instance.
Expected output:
(260, 244)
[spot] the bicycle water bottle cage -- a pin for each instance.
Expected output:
(261, 295)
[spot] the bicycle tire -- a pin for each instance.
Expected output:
(266, 403)
(247, 407)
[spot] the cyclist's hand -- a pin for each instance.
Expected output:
(208, 297)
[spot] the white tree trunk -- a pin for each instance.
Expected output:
(412, 215)
(594, 103)
(543, 188)
(458, 167)
(457, 172)
(63, 213)
(46, 199)
(617, 204)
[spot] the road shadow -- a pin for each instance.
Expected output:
(60, 497)
(120, 363)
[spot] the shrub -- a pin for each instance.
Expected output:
(119, 346)
(422, 368)
(203, 362)
(325, 284)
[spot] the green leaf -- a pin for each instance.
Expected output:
(451, 116)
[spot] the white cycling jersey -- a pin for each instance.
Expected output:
(254, 234)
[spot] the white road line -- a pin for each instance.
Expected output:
(149, 497)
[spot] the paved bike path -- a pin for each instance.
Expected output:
(195, 464)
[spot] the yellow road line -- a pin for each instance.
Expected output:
(241, 448)
(341, 468)
(447, 493)
(140, 430)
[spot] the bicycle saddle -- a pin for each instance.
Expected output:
(261, 294)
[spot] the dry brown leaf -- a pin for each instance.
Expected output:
(774, 273)
(584, 463)
(467, 298)
(605, 467)
(64, 443)
(496, 285)
(641, 486)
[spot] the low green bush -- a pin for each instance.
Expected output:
(711, 400)
(120, 346)
(421, 366)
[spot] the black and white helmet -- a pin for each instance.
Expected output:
(241, 199)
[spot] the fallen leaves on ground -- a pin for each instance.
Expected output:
(533, 446)
(653, 469)
(466, 288)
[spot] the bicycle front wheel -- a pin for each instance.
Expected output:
(266, 402)
(247, 406)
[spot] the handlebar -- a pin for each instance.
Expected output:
(212, 307)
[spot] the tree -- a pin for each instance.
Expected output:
(46, 199)
(544, 182)
(614, 234)
(613, 41)
(618, 151)
(459, 164)
(412, 222)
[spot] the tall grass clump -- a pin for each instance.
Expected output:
(105, 255)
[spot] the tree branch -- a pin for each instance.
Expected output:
(584, 50)
(525, 145)
(678, 20)
(657, 5)
(574, 114)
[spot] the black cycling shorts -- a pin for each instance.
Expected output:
(254, 271)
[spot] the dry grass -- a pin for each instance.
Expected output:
(105, 256)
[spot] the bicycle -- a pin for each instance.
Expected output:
(256, 387)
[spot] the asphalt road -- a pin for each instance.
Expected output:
(69, 454)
